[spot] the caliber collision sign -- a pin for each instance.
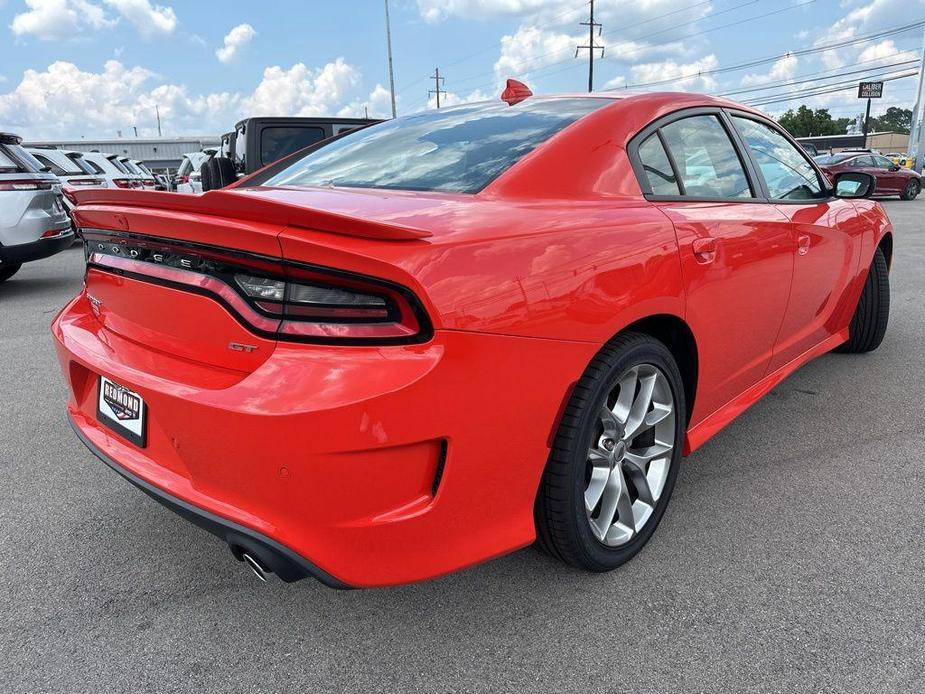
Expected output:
(870, 90)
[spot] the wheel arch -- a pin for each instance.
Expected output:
(677, 336)
(886, 245)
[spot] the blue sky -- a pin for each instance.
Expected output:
(71, 68)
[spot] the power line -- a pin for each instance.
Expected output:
(771, 59)
(815, 77)
(830, 89)
(590, 46)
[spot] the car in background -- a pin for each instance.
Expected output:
(150, 179)
(111, 169)
(259, 142)
(189, 175)
(901, 159)
(147, 182)
(33, 221)
(892, 179)
(69, 167)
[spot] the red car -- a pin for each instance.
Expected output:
(891, 178)
(435, 340)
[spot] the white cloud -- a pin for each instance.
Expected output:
(530, 48)
(687, 75)
(302, 91)
(436, 10)
(50, 20)
(147, 19)
(781, 71)
(234, 41)
(64, 101)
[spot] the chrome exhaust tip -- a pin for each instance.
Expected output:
(259, 570)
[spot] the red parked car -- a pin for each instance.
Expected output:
(892, 179)
(435, 340)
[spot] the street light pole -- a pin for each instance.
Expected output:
(388, 39)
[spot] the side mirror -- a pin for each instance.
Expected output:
(854, 184)
(895, 167)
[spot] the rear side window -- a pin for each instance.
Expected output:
(658, 169)
(707, 162)
(788, 174)
(276, 143)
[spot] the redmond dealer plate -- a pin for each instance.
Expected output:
(122, 410)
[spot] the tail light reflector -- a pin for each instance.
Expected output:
(27, 184)
(127, 183)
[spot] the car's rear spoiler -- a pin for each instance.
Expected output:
(245, 207)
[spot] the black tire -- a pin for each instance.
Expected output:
(563, 527)
(8, 271)
(911, 190)
(207, 176)
(224, 173)
(868, 325)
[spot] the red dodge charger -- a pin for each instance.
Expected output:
(449, 335)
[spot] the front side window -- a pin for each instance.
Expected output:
(707, 162)
(786, 171)
(459, 149)
(882, 162)
(657, 167)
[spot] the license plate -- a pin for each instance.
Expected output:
(122, 410)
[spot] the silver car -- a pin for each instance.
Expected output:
(33, 222)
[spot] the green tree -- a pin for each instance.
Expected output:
(805, 122)
(896, 120)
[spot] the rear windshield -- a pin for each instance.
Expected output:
(58, 169)
(460, 149)
(17, 158)
(7, 165)
(81, 163)
(118, 164)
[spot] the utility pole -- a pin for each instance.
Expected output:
(437, 82)
(917, 132)
(157, 112)
(388, 40)
(591, 47)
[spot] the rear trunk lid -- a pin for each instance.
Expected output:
(163, 269)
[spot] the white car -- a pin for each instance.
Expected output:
(109, 167)
(189, 175)
(69, 167)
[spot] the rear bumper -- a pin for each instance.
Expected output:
(368, 466)
(36, 250)
(285, 563)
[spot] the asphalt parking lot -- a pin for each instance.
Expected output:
(791, 558)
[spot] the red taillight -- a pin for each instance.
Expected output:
(182, 179)
(127, 182)
(27, 184)
(149, 181)
(84, 182)
(283, 301)
(51, 233)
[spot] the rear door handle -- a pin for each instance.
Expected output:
(803, 243)
(704, 250)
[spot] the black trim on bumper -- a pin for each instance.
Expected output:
(35, 250)
(282, 561)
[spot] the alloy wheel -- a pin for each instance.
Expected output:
(630, 455)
